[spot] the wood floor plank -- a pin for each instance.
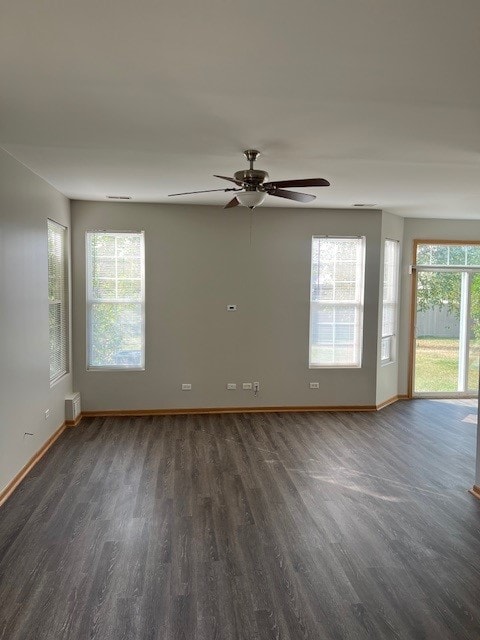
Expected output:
(322, 526)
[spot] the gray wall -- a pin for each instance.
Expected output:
(26, 202)
(421, 229)
(198, 260)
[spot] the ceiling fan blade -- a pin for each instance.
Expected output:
(233, 203)
(291, 195)
(187, 193)
(305, 182)
(229, 179)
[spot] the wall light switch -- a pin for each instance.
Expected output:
(231, 307)
(247, 385)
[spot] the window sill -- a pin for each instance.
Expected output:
(334, 366)
(116, 369)
(55, 381)
(385, 364)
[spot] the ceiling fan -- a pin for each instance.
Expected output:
(252, 189)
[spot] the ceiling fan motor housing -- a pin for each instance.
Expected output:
(251, 178)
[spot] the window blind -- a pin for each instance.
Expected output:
(57, 300)
(390, 300)
(336, 301)
(115, 300)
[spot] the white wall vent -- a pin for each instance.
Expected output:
(72, 406)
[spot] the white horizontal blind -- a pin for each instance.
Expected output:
(57, 300)
(336, 301)
(115, 300)
(390, 300)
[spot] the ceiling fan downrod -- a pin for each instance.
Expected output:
(251, 155)
(251, 178)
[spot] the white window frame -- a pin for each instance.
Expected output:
(357, 303)
(58, 299)
(92, 300)
(388, 343)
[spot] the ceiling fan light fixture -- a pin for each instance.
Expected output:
(251, 199)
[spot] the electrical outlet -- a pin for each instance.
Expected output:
(314, 385)
(231, 386)
(186, 387)
(47, 414)
(247, 386)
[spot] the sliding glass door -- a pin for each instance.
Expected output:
(447, 319)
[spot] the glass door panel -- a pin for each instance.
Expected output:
(474, 346)
(437, 339)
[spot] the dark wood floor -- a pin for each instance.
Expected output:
(311, 525)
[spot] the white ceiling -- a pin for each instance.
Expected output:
(147, 98)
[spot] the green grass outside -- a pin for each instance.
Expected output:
(436, 365)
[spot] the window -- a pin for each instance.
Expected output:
(390, 301)
(115, 300)
(57, 300)
(336, 301)
(448, 255)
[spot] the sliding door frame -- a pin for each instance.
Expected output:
(413, 313)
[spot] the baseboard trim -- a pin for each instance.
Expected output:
(475, 491)
(73, 423)
(391, 400)
(206, 410)
(13, 484)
